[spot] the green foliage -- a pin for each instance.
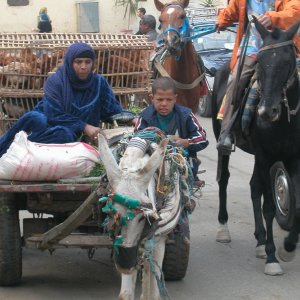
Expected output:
(131, 6)
(135, 109)
(97, 171)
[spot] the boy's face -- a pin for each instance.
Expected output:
(139, 13)
(164, 101)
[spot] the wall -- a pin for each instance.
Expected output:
(63, 15)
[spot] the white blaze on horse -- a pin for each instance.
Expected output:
(136, 223)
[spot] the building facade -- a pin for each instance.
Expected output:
(73, 15)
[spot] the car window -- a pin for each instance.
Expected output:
(222, 40)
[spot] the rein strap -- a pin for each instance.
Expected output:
(268, 47)
(183, 86)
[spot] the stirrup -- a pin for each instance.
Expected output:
(224, 148)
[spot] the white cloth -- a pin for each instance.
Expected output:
(28, 161)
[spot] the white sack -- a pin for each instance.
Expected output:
(27, 161)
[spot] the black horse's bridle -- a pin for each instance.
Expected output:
(290, 81)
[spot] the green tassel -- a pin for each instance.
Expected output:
(126, 201)
(109, 208)
(103, 199)
(124, 220)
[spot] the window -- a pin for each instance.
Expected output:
(17, 2)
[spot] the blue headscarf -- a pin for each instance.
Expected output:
(43, 14)
(63, 86)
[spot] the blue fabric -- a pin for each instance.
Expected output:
(68, 105)
(256, 8)
(44, 17)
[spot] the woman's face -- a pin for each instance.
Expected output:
(83, 67)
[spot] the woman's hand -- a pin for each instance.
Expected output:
(92, 132)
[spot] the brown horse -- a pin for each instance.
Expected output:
(177, 58)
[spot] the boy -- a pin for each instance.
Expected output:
(174, 120)
(140, 13)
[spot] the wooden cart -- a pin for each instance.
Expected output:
(75, 216)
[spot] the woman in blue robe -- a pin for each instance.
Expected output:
(75, 101)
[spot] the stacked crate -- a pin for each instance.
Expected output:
(27, 59)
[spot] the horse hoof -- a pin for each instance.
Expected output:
(285, 255)
(273, 269)
(223, 235)
(260, 252)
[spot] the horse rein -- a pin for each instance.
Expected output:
(183, 86)
(282, 44)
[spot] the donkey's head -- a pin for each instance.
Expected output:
(129, 202)
(276, 69)
(174, 25)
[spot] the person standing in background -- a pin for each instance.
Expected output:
(148, 27)
(140, 13)
(44, 22)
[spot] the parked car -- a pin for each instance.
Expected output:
(215, 50)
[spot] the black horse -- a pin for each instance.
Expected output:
(274, 137)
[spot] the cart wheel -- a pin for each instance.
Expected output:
(10, 242)
(204, 108)
(176, 257)
(282, 195)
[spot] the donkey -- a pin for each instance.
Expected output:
(138, 224)
(274, 136)
(181, 62)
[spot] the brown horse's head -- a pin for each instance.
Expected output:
(174, 25)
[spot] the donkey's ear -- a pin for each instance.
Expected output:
(260, 28)
(293, 30)
(153, 163)
(159, 6)
(184, 3)
(110, 164)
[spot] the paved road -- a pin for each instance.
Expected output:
(216, 271)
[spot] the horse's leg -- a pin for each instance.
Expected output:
(260, 231)
(223, 235)
(128, 286)
(150, 287)
(272, 266)
(287, 252)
